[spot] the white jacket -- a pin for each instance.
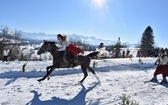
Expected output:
(63, 48)
(5, 52)
(163, 60)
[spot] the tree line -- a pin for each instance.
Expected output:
(12, 39)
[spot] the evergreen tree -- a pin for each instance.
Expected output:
(147, 41)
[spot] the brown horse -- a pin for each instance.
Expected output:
(59, 60)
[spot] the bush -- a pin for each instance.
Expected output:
(126, 100)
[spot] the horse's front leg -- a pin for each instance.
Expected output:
(84, 70)
(48, 73)
(49, 67)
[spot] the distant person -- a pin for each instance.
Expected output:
(123, 54)
(156, 52)
(166, 50)
(162, 67)
(149, 53)
(101, 50)
(127, 55)
(71, 49)
(5, 54)
(101, 45)
(139, 53)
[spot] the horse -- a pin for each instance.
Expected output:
(93, 54)
(59, 60)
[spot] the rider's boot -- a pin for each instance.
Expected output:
(154, 79)
(164, 81)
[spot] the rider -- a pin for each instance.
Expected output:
(66, 45)
(161, 67)
(63, 41)
(101, 45)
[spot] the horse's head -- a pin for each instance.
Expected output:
(47, 47)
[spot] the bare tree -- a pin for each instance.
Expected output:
(11, 40)
(3, 40)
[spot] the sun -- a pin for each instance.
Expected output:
(99, 3)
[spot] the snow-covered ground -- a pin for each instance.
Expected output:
(118, 76)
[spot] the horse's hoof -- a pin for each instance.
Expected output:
(39, 80)
(48, 78)
(81, 82)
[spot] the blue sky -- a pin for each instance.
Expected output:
(105, 19)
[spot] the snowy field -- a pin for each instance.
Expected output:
(117, 76)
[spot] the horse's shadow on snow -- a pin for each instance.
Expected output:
(79, 99)
(14, 75)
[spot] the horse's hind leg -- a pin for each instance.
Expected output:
(90, 69)
(84, 72)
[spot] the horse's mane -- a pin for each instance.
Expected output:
(51, 42)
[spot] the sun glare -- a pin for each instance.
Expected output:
(98, 3)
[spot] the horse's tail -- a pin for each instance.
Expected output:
(93, 54)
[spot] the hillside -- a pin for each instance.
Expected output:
(85, 39)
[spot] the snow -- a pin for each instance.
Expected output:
(117, 76)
